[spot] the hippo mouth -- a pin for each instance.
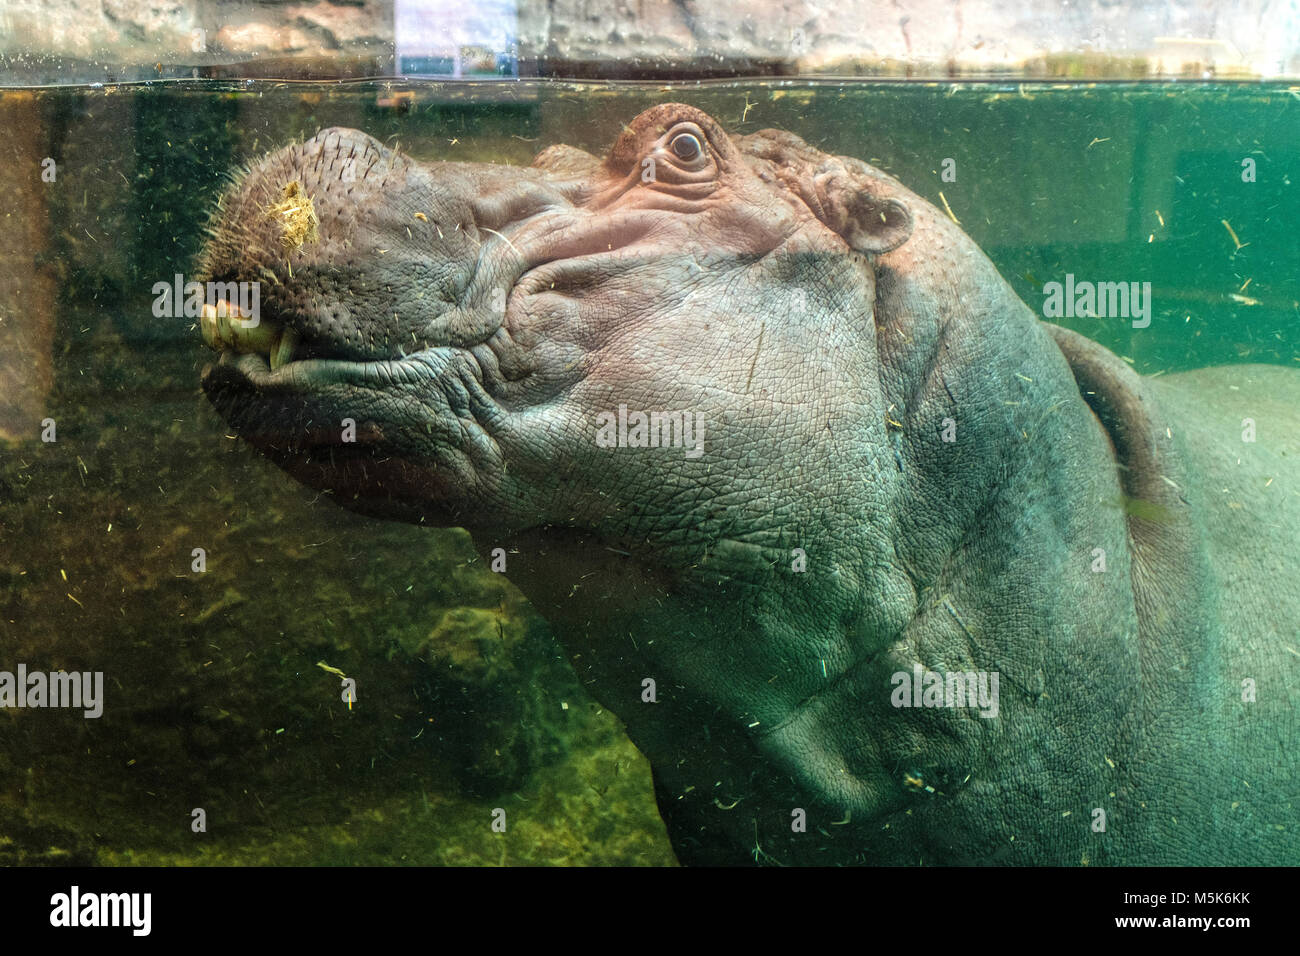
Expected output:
(270, 357)
(402, 437)
(265, 374)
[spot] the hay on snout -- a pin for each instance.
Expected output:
(296, 215)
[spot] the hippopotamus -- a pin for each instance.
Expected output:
(875, 565)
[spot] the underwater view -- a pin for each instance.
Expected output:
(760, 461)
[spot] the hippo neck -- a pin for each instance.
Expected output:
(718, 627)
(1059, 493)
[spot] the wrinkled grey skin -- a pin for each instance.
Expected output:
(824, 322)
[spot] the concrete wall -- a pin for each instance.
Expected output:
(61, 41)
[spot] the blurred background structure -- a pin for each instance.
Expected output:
(69, 41)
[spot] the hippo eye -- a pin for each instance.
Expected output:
(686, 147)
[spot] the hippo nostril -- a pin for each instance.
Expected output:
(686, 147)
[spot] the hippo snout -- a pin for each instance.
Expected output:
(359, 253)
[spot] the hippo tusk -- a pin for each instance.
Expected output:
(224, 327)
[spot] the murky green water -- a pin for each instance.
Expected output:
(215, 696)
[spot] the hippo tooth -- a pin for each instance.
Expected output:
(282, 352)
(208, 326)
(224, 328)
(262, 337)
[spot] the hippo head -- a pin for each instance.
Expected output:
(712, 395)
(474, 321)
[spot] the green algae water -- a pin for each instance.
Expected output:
(226, 606)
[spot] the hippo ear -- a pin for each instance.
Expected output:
(853, 205)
